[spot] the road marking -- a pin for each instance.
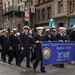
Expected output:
(13, 66)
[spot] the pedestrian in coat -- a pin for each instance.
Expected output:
(5, 44)
(48, 36)
(14, 44)
(25, 43)
(60, 37)
(0, 41)
(72, 38)
(38, 38)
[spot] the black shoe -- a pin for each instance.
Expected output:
(31, 61)
(57, 65)
(28, 66)
(19, 64)
(62, 67)
(4, 61)
(43, 71)
(9, 62)
(34, 68)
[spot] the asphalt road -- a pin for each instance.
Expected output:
(6, 69)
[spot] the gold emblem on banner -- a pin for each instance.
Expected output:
(46, 53)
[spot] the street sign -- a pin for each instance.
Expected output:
(21, 8)
(32, 9)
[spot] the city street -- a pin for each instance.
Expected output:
(6, 69)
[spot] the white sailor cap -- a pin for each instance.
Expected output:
(26, 27)
(61, 28)
(4, 30)
(73, 26)
(39, 28)
(54, 30)
(14, 29)
(0, 31)
(64, 28)
(47, 30)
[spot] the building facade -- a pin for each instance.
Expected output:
(1, 17)
(13, 14)
(44, 11)
(62, 11)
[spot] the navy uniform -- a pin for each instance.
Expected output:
(0, 41)
(72, 34)
(14, 44)
(48, 36)
(25, 43)
(38, 51)
(53, 35)
(31, 46)
(60, 37)
(5, 45)
(72, 38)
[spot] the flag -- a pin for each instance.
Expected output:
(26, 14)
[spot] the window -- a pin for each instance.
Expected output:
(5, 6)
(8, 4)
(38, 15)
(72, 6)
(60, 6)
(12, 2)
(38, 1)
(19, 26)
(1, 3)
(49, 12)
(27, 4)
(43, 0)
(31, 2)
(43, 14)
(18, 1)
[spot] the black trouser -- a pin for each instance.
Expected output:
(4, 53)
(25, 53)
(39, 57)
(14, 53)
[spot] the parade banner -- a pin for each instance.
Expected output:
(58, 52)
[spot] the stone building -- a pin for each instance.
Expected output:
(44, 11)
(62, 11)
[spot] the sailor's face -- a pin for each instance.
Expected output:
(74, 29)
(61, 30)
(40, 31)
(26, 30)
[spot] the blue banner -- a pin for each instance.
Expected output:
(58, 52)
